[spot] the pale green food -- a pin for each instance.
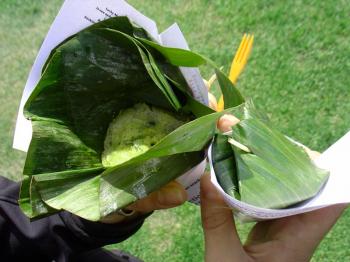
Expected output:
(135, 130)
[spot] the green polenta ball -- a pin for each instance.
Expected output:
(135, 130)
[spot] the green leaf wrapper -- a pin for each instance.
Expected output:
(113, 65)
(86, 82)
(276, 173)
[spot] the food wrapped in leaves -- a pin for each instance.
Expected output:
(260, 166)
(86, 158)
(101, 73)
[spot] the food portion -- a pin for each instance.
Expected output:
(110, 94)
(135, 130)
(260, 166)
(110, 70)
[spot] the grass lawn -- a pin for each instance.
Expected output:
(298, 73)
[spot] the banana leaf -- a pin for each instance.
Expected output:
(91, 77)
(86, 82)
(275, 172)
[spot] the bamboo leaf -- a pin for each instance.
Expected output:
(232, 96)
(151, 67)
(277, 173)
(192, 105)
(74, 190)
(136, 180)
(180, 57)
(81, 199)
(24, 198)
(224, 165)
(176, 56)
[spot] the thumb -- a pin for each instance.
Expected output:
(221, 239)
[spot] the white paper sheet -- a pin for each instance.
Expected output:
(76, 15)
(173, 37)
(336, 191)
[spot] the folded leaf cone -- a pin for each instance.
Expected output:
(275, 173)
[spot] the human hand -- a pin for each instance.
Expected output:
(170, 195)
(293, 238)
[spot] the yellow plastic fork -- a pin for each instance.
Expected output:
(238, 63)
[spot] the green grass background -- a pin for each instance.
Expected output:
(298, 73)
